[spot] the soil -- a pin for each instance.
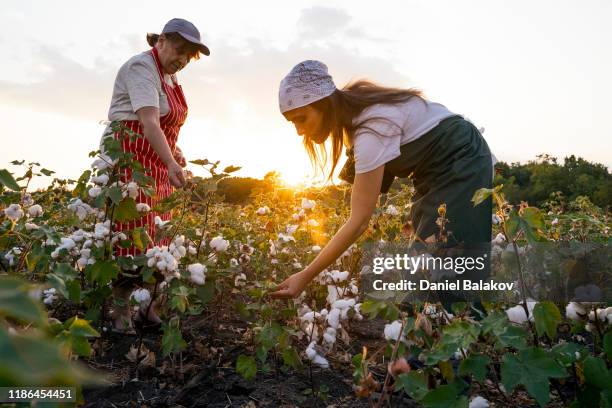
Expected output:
(204, 374)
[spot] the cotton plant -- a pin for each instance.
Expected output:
(516, 314)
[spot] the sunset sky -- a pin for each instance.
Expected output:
(536, 75)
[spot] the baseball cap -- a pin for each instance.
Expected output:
(186, 30)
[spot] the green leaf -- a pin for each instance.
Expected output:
(47, 172)
(480, 195)
(533, 217)
(126, 211)
(291, 358)
(74, 291)
(115, 194)
(246, 366)
(7, 180)
(81, 328)
(206, 292)
(531, 367)
(16, 302)
(170, 202)
(547, 318)
(596, 373)
(607, 344)
(65, 271)
(512, 225)
(269, 335)
(566, 352)
(80, 190)
(475, 365)
(200, 162)
(81, 346)
(513, 336)
(231, 169)
(34, 359)
(103, 272)
(140, 238)
(413, 383)
(172, 340)
(445, 396)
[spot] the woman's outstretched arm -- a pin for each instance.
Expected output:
(364, 197)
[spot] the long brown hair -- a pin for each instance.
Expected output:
(341, 108)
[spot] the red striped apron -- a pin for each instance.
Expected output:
(143, 152)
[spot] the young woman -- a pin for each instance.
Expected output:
(388, 133)
(148, 100)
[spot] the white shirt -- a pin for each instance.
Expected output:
(405, 122)
(138, 85)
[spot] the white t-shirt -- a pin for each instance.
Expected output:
(138, 85)
(402, 123)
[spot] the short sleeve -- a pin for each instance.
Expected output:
(142, 86)
(372, 150)
(377, 140)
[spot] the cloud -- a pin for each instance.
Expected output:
(246, 75)
(321, 22)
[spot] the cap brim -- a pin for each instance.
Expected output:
(203, 48)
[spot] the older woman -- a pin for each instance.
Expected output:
(390, 132)
(148, 100)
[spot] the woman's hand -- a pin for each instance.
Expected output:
(291, 287)
(175, 174)
(178, 156)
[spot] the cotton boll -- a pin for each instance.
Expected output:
(338, 276)
(392, 210)
(35, 211)
(143, 207)
(30, 226)
(13, 212)
(27, 200)
(495, 219)
(574, 311)
(132, 189)
(240, 280)
(333, 318)
(499, 239)
(313, 223)
(285, 237)
(343, 303)
(393, 330)
(197, 268)
(197, 278)
(291, 229)
(100, 180)
(94, 191)
(479, 402)
(330, 335)
(219, 244)
(141, 296)
(307, 204)
(159, 223)
(310, 351)
(315, 248)
(320, 361)
(332, 294)
(262, 210)
(516, 314)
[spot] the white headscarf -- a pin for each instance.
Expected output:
(307, 82)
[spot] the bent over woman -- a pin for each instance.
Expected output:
(388, 133)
